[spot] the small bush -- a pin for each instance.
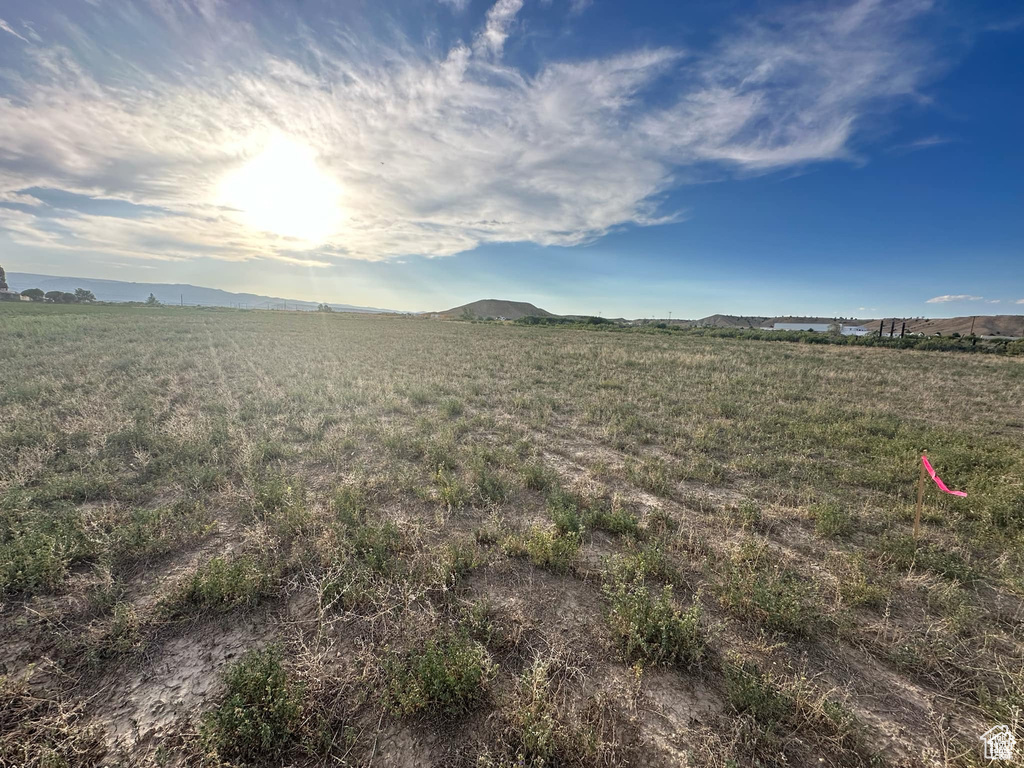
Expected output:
(831, 520)
(751, 692)
(545, 548)
(614, 519)
(565, 513)
(647, 561)
(377, 545)
(651, 475)
(648, 626)
(451, 407)
(448, 676)
(490, 485)
(349, 505)
(222, 585)
(537, 477)
(760, 589)
(748, 514)
(261, 713)
(450, 489)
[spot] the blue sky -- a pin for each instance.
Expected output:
(634, 159)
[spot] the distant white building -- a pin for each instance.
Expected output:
(816, 327)
(853, 330)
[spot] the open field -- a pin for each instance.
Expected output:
(320, 539)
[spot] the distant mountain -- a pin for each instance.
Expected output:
(168, 293)
(510, 310)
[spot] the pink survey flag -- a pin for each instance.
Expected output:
(938, 480)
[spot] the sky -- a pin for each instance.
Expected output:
(634, 159)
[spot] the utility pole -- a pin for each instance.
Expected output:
(181, 299)
(972, 324)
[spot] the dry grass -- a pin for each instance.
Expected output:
(483, 544)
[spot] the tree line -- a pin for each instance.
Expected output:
(80, 296)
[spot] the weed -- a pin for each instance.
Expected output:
(450, 489)
(651, 475)
(761, 590)
(537, 477)
(648, 626)
(222, 585)
(447, 676)
(751, 692)
(613, 518)
(39, 731)
(545, 548)
(261, 713)
(565, 513)
(831, 520)
(376, 545)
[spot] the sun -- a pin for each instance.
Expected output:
(284, 191)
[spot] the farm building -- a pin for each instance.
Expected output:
(853, 330)
(816, 327)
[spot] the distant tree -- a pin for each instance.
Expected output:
(153, 301)
(324, 308)
(56, 297)
(467, 314)
(83, 295)
(3, 280)
(36, 294)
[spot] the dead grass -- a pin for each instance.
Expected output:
(489, 545)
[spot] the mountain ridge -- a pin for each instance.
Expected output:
(169, 293)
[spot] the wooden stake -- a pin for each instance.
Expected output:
(920, 501)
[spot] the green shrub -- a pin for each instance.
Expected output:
(751, 692)
(545, 548)
(537, 477)
(748, 514)
(450, 489)
(615, 519)
(903, 552)
(648, 626)
(565, 514)
(377, 545)
(646, 561)
(261, 714)
(349, 505)
(651, 475)
(222, 585)
(759, 589)
(831, 520)
(447, 676)
(37, 549)
(490, 485)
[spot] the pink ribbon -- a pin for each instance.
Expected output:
(938, 480)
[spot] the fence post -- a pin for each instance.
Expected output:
(920, 500)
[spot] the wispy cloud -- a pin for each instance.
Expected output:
(926, 142)
(1019, 301)
(954, 297)
(499, 19)
(7, 28)
(435, 152)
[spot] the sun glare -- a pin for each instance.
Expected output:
(283, 191)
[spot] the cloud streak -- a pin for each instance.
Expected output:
(436, 152)
(954, 297)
